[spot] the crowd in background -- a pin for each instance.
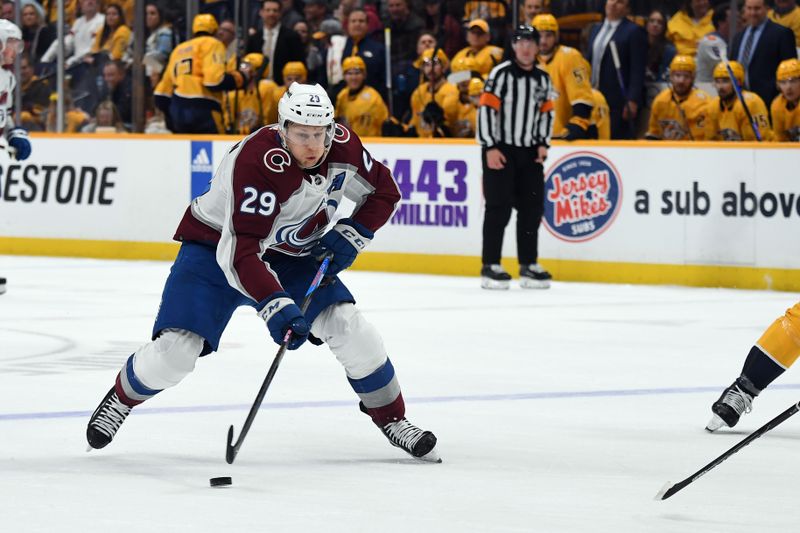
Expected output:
(668, 81)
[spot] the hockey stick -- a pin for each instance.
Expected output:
(232, 449)
(618, 68)
(669, 489)
(387, 40)
(738, 89)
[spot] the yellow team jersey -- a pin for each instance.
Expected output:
(194, 67)
(363, 112)
(600, 116)
(729, 122)
(685, 33)
(447, 98)
(785, 120)
(246, 110)
(571, 76)
(486, 58)
(791, 20)
(116, 45)
(466, 120)
(676, 119)
(484, 9)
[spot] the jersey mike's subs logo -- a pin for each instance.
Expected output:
(583, 195)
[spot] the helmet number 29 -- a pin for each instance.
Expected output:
(265, 201)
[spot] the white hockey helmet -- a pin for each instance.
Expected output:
(308, 105)
(8, 32)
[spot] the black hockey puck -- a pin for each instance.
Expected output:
(220, 481)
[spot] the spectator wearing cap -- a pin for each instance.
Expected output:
(331, 43)
(446, 28)
(711, 48)
(727, 119)
(486, 55)
(679, 111)
(689, 24)
(359, 106)
(278, 43)
(631, 44)
(787, 13)
(785, 109)
(434, 104)
(36, 34)
(760, 48)
(372, 52)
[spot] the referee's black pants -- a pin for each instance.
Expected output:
(519, 185)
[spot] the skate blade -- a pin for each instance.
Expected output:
(494, 285)
(527, 283)
(431, 457)
(715, 423)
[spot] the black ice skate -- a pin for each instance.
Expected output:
(735, 401)
(533, 276)
(2, 285)
(106, 420)
(494, 277)
(411, 439)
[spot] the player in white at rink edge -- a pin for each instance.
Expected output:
(11, 45)
(255, 238)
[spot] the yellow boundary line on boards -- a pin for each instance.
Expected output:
(456, 265)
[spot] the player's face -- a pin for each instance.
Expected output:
(724, 87)
(547, 42)
(11, 50)
(306, 143)
(790, 89)
(477, 37)
(288, 79)
(354, 78)
(681, 82)
(432, 69)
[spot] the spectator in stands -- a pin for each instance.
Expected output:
(314, 60)
(74, 117)
(659, 55)
(494, 12)
(787, 13)
(289, 15)
(785, 109)
(106, 120)
(359, 106)
(372, 52)
(689, 25)
(278, 43)
(331, 42)
(118, 89)
(51, 11)
(35, 33)
(159, 42)
(712, 47)
(255, 106)
(447, 29)
(486, 55)
(679, 112)
(35, 96)
(434, 104)
(727, 119)
(760, 48)
(7, 10)
(631, 43)
(115, 37)
(226, 34)
(315, 11)
(531, 8)
(406, 28)
(80, 38)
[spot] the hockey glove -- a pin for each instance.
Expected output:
(18, 139)
(575, 132)
(344, 241)
(281, 314)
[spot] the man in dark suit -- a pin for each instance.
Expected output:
(278, 43)
(631, 42)
(760, 48)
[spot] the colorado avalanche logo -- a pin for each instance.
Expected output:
(277, 159)
(293, 239)
(583, 195)
(341, 134)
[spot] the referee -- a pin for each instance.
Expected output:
(515, 121)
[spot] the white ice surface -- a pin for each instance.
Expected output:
(557, 411)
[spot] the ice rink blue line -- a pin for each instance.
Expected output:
(421, 399)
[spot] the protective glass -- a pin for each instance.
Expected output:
(318, 137)
(13, 46)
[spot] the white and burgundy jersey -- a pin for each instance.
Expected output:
(7, 85)
(261, 201)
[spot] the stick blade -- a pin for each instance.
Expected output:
(230, 451)
(666, 491)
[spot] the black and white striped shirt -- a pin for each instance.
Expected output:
(516, 107)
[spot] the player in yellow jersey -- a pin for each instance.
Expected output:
(727, 120)
(434, 103)
(486, 55)
(250, 108)
(776, 350)
(785, 109)
(679, 111)
(464, 74)
(293, 71)
(571, 77)
(359, 106)
(787, 13)
(190, 91)
(600, 127)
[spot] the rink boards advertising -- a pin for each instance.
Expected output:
(631, 212)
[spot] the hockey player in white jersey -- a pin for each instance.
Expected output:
(254, 238)
(11, 45)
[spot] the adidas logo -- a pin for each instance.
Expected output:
(202, 163)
